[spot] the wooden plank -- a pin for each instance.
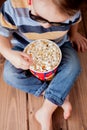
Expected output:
(2, 59)
(79, 99)
(1, 1)
(75, 121)
(58, 120)
(82, 91)
(34, 104)
(78, 120)
(84, 15)
(13, 115)
(82, 82)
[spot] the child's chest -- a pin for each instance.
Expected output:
(34, 31)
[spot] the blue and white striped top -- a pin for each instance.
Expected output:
(15, 21)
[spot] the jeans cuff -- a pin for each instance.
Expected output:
(54, 99)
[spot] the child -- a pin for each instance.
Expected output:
(56, 20)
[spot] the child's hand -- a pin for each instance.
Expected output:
(20, 59)
(79, 41)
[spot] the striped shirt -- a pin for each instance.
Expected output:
(15, 21)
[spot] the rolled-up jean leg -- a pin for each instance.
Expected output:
(66, 75)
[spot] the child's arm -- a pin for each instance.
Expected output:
(77, 39)
(7, 27)
(17, 58)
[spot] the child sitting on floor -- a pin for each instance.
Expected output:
(56, 20)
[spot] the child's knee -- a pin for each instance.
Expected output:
(9, 75)
(73, 66)
(76, 67)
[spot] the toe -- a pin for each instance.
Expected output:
(66, 115)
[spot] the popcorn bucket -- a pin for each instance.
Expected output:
(44, 75)
(47, 56)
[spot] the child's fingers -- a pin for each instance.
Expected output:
(85, 42)
(83, 45)
(78, 46)
(82, 48)
(24, 65)
(21, 64)
(25, 55)
(28, 60)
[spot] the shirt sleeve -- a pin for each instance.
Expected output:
(7, 19)
(76, 18)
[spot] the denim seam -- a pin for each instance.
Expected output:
(41, 89)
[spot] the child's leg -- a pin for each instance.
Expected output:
(44, 114)
(59, 87)
(18, 79)
(67, 107)
(68, 71)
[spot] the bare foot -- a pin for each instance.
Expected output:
(67, 107)
(44, 119)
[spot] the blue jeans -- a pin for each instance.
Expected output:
(58, 88)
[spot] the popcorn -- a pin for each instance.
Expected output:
(45, 53)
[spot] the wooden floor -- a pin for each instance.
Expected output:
(17, 108)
